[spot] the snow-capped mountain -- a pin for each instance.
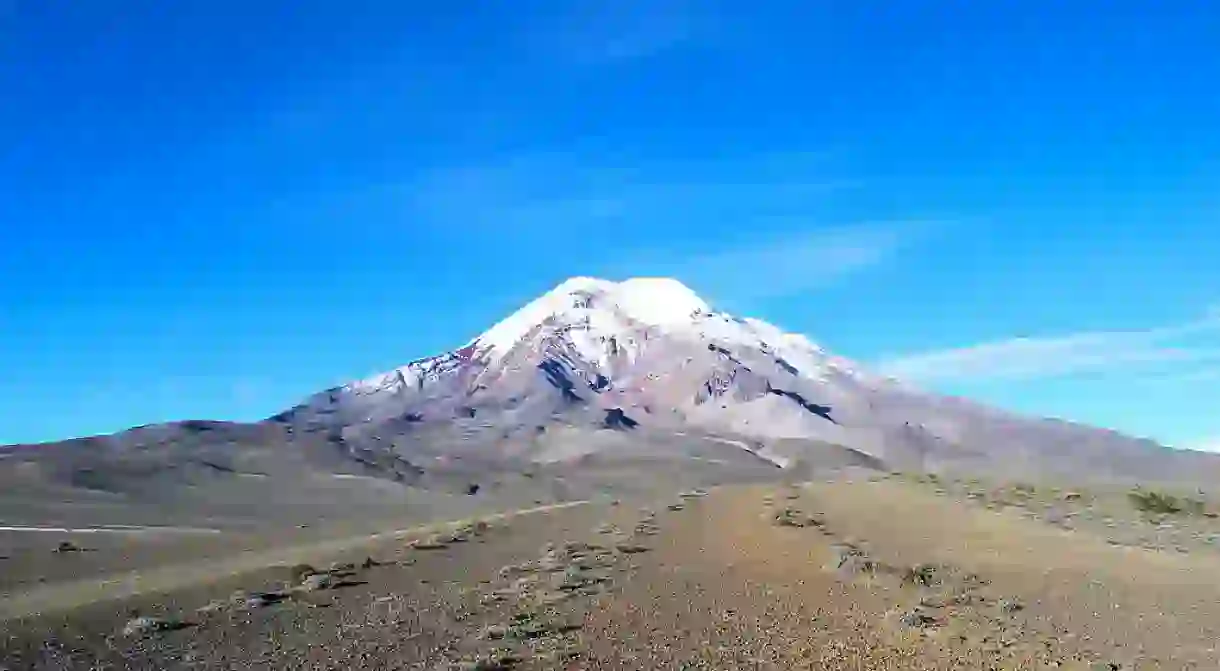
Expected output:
(650, 352)
(649, 348)
(596, 388)
(605, 322)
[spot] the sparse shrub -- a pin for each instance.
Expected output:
(1167, 504)
(921, 575)
(1158, 503)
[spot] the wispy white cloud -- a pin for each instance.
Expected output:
(543, 190)
(739, 230)
(1163, 349)
(807, 259)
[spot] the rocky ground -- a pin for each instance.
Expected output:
(1149, 517)
(879, 573)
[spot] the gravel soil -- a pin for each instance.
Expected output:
(861, 575)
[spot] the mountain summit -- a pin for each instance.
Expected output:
(649, 352)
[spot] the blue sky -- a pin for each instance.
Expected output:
(212, 209)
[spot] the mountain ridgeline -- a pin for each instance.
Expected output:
(650, 353)
(590, 377)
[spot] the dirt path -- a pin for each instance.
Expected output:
(76, 593)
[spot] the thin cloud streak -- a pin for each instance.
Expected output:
(1033, 358)
(792, 265)
(540, 191)
(598, 210)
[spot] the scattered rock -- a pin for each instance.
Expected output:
(146, 626)
(916, 619)
(494, 632)
(528, 626)
(67, 546)
(263, 599)
(574, 578)
(214, 606)
(791, 517)
(318, 582)
(853, 562)
(647, 527)
(559, 656)
(509, 570)
(499, 663)
(299, 572)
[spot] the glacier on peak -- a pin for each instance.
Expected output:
(604, 320)
(646, 300)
